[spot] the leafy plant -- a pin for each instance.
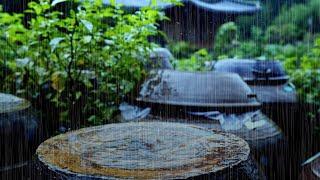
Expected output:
(85, 60)
(196, 62)
(182, 49)
(283, 34)
(228, 46)
(307, 76)
(248, 49)
(10, 26)
(226, 38)
(303, 15)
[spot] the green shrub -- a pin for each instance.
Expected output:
(248, 49)
(92, 56)
(291, 56)
(182, 49)
(283, 34)
(226, 39)
(262, 19)
(297, 14)
(10, 24)
(307, 76)
(306, 16)
(196, 62)
(308, 83)
(243, 49)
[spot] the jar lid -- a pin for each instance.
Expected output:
(10, 103)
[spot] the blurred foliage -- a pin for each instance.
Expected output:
(249, 49)
(181, 49)
(8, 25)
(286, 33)
(301, 15)
(306, 16)
(304, 68)
(226, 38)
(269, 10)
(196, 62)
(84, 61)
(307, 75)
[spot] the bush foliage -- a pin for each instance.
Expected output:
(85, 60)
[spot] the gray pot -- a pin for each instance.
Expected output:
(19, 132)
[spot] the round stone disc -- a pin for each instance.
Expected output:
(10, 103)
(142, 150)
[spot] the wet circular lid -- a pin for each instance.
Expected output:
(252, 69)
(142, 150)
(10, 103)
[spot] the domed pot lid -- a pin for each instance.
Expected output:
(197, 89)
(228, 6)
(267, 79)
(142, 150)
(10, 103)
(254, 70)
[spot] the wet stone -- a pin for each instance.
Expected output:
(143, 150)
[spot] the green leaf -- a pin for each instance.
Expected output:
(54, 2)
(55, 42)
(22, 62)
(78, 95)
(87, 39)
(87, 24)
(58, 81)
(92, 118)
